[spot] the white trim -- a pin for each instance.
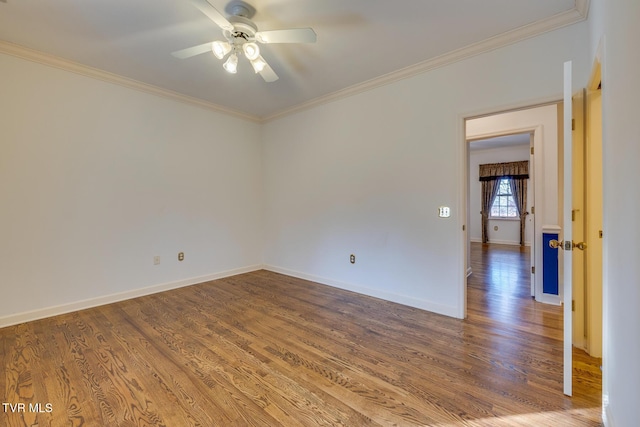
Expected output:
(511, 131)
(500, 242)
(582, 7)
(607, 416)
(464, 220)
(29, 316)
(560, 20)
(549, 299)
(510, 108)
(94, 73)
(504, 218)
(376, 293)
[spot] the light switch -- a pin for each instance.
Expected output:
(444, 212)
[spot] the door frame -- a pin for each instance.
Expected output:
(569, 282)
(539, 193)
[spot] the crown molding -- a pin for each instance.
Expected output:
(86, 71)
(577, 14)
(573, 16)
(582, 7)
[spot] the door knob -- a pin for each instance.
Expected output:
(582, 245)
(554, 244)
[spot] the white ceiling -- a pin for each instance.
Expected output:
(520, 139)
(358, 41)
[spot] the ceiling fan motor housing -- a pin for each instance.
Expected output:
(242, 28)
(240, 8)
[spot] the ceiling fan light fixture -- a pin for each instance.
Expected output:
(242, 36)
(258, 64)
(251, 51)
(220, 49)
(231, 64)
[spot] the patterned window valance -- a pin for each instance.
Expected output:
(492, 171)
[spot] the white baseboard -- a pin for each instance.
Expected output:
(607, 418)
(500, 242)
(389, 296)
(549, 299)
(29, 316)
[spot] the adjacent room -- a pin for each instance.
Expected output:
(264, 213)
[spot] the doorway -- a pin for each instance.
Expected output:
(544, 124)
(498, 246)
(586, 219)
(538, 125)
(580, 242)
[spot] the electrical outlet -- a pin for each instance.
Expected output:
(352, 259)
(180, 256)
(156, 260)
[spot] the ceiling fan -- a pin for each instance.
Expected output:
(241, 35)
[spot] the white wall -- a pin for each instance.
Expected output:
(508, 230)
(366, 174)
(96, 179)
(616, 23)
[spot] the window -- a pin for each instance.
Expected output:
(504, 206)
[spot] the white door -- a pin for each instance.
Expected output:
(531, 217)
(579, 218)
(566, 232)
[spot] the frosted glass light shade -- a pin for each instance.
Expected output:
(231, 64)
(220, 49)
(258, 64)
(251, 51)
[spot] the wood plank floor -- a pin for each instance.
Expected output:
(263, 349)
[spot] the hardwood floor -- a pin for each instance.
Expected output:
(266, 349)
(499, 289)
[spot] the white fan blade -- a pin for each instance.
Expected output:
(192, 51)
(206, 7)
(268, 74)
(294, 35)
